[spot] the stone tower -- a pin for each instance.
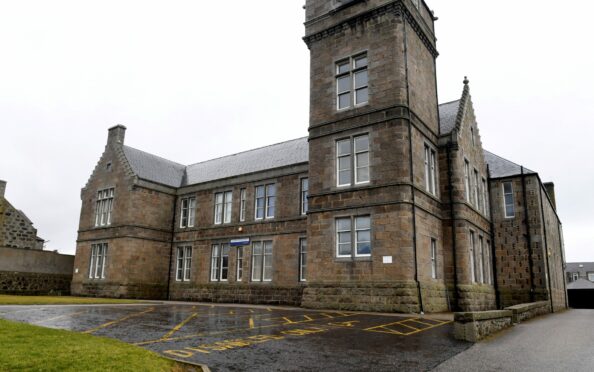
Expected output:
(374, 223)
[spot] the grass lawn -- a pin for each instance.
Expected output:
(24, 347)
(59, 300)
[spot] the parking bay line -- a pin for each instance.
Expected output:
(385, 328)
(105, 325)
(179, 326)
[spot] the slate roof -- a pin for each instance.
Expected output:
(580, 284)
(159, 170)
(448, 112)
(574, 267)
(154, 168)
(501, 167)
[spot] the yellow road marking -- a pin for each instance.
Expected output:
(418, 321)
(179, 326)
(384, 327)
(60, 317)
(307, 317)
(105, 325)
(231, 312)
(251, 311)
(269, 309)
(288, 321)
(404, 325)
(251, 322)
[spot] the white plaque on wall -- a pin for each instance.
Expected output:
(387, 259)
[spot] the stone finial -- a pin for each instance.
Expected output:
(2, 188)
(466, 81)
(116, 135)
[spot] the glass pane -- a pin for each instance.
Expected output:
(344, 100)
(361, 143)
(344, 237)
(344, 177)
(343, 224)
(344, 249)
(363, 223)
(361, 96)
(361, 79)
(271, 190)
(343, 84)
(342, 67)
(362, 159)
(219, 198)
(507, 188)
(360, 61)
(363, 248)
(260, 191)
(257, 248)
(363, 236)
(344, 162)
(509, 210)
(363, 174)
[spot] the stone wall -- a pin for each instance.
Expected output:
(239, 293)
(524, 312)
(16, 230)
(22, 283)
(475, 326)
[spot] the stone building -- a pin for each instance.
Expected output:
(389, 204)
(16, 229)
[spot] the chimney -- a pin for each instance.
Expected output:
(116, 135)
(2, 188)
(550, 187)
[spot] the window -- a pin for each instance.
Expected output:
(352, 82)
(475, 188)
(304, 195)
(467, 180)
(575, 276)
(104, 207)
(361, 236)
(302, 259)
(188, 212)
(223, 207)
(433, 258)
(591, 277)
(472, 268)
(485, 197)
(265, 201)
(242, 205)
(508, 200)
(481, 261)
(239, 263)
(345, 162)
(430, 171)
(98, 258)
(184, 263)
(488, 264)
(262, 261)
(219, 264)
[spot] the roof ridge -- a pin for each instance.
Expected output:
(246, 151)
(156, 156)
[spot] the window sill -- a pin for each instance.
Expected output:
(353, 259)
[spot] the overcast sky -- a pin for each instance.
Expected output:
(193, 80)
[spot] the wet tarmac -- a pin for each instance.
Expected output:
(238, 338)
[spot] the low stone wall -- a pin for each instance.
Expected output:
(34, 283)
(524, 312)
(476, 297)
(238, 293)
(474, 326)
(99, 288)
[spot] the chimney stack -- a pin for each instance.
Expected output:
(550, 187)
(2, 188)
(116, 135)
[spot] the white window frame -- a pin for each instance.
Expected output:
(97, 261)
(513, 201)
(104, 207)
(433, 256)
(430, 170)
(353, 155)
(354, 69)
(304, 195)
(242, 204)
(488, 263)
(269, 201)
(183, 264)
(467, 180)
(217, 262)
(302, 259)
(353, 232)
(472, 257)
(591, 276)
(475, 188)
(239, 256)
(223, 207)
(264, 259)
(575, 276)
(481, 260)
(188, 212)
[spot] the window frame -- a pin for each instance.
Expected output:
(98, 255)
(467, 180)
(475, 188)
(262, 261)
(242, 204)
(430, 169)
(481, 260)
(433, 257)
(239, 257)
(590, 274)
(217, 262)
(302, 259)
(513, 201)
(183, 263)
(472, 257)
(352, 72)
(353, 232)
(189, 210)
(104, 206)
(304, 194)
(353, 162)
(223, 210)
(266, 201)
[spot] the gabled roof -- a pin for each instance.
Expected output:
(154, 168)
(574, 267)
(162, 171)
(580, 284)
(500, 167)
(274, 156)
(448, 113)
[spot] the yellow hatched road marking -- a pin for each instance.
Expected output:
(179, 326)
(384, 327)
(105, 325)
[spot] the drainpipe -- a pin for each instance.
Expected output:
(493, 250)
(412, 179)
(453, 219)
(171, 250)
(528, 235)
(544, 226)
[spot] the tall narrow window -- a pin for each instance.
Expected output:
(302, 259)
(103, 207)
(184, 263)
(239, 263)
(188, 212)
(467, 180)
(508, 200)
(352, 82)
(430, 171)
(262, 261)
(343, 237)
(98, 259)
(219, 267)
(304, 195)
(488, 264)
(242, 205)
(223, 207)
(485, 197)
(433, 258)
(265, 201)
(471, 256)
(475, 187)
(481, 261)
(361, 236)
(345, 162)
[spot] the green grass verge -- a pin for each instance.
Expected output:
(25, 347)
(59, 300)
